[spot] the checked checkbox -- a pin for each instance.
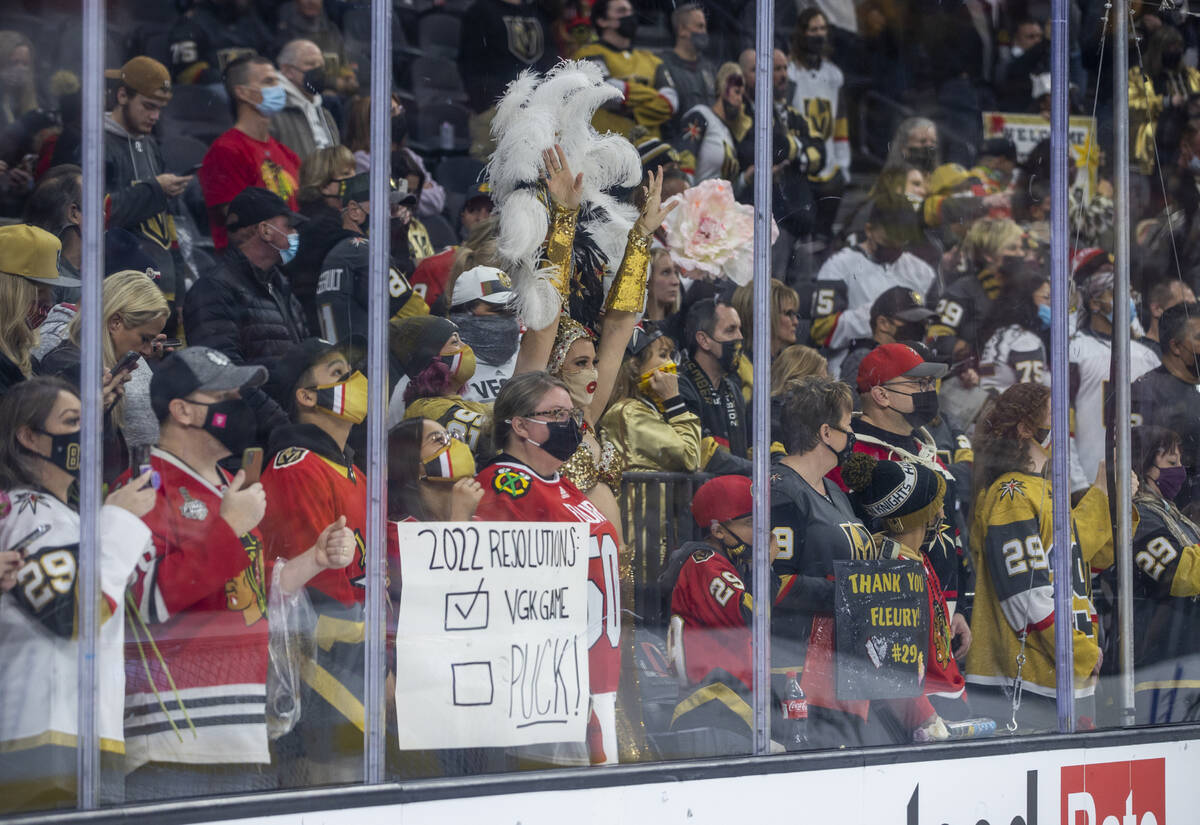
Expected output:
(468, 610)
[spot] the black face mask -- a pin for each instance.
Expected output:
(925, 407)
(231, 422)
(910, 331)
(844, 453)
(922, 157)
(738, 553)
(730, 352)
(399, 128)
(628, 26)
(494, 338)
(814, 44)
(1170, 60)
(1012, 266)
(563, 440)
(314, 80)
(64, 451)
(885, 254)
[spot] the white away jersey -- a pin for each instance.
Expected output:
(818, 98)
(1090, 357)
(1013, 355)
(849, 282)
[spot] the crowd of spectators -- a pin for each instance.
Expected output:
(908, 349)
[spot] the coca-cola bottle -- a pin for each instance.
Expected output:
(795, 714)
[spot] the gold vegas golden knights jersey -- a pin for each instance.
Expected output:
(1012, 544)
(650, 98)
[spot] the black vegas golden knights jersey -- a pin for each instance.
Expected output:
(813, 531)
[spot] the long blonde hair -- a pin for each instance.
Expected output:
(134, 299)
(322, 167)
(17, 295)
(793, 363)
(743, 302)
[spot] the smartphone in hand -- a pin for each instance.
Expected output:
(24, 543)
(252, 464)
(128, 361)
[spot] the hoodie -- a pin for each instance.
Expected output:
(134, 200)
(304, 125)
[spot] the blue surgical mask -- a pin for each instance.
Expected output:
(274, 98)
(1108, 316)
(1194, 164)
(1044, 314)
(293, 246)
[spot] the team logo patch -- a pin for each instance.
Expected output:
(512, 483)
(192, 508)
(525, 39)
(29, 501)
(702, 555)
(288, 456)
(1010, 488)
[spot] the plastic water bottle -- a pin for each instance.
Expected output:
(971, 728)
(795, 714)
(447, 135)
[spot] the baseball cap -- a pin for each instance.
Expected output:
(722, 499)
(482, 283)
(254, 205)
(198, 369)
(285, 373)
(358, 188)
(414, 342)
(479, 192)
(889, 361)
(644, 334)
(146, 76)
(32, 253)
(900, 302)
(1086, 261)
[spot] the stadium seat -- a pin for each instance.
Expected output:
(436, 79)
(458, 174)
(426, 137)
(441, 233)
(437, 35)
(196, 111)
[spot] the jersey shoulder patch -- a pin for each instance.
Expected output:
(512, 483)
(288, 456)
(702, 555)
(1011, 488)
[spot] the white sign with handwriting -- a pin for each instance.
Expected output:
(491, 640)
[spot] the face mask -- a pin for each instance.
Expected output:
(293, 246)
(1042, 436)
(925, 407)
(922, 157)
(730, 352)
(452, 462)
(581, 384)
(36, 315)
(1191, 363)
(1132, 312)
(844, 453)
(814, 43)
(399, 128)
(739, 552)
(1170, 60)
(461, 364)
(493, 338)
(644, 381)
(1016, 51)
(1043, 312)
(910, 331)
(314, 80)
(274, 98)
(887, 254)
(15, 76)
(563, 440)
(64, 451)
(628, 26)
(1012, 265)
(231, 422)
(914, 201)
(1170, 481)
(700, 41)
(1194, 165)
(346, 400)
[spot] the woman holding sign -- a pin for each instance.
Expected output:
(1011, 664)
(537, 427)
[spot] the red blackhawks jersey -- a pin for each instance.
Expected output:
(310, 483)
(710, 620)
(514, 492)
(196, 650)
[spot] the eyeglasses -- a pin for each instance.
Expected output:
(559, 416)
(790, 313)
(923, 384)
(443, 438)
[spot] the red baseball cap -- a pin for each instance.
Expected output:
(889, 361)
(722, 499)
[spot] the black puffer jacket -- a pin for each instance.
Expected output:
(246, 313)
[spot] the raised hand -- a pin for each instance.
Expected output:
(653, 213)
(242, 508)
(335, 546)
(464, 498)
(565, 188)
(137, 496)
